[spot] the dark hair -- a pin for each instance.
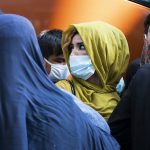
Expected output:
(50, 42)
(73, 33)
(131, 71)
(146, 23)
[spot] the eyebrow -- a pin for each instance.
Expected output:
(77, 43)
(80, 43)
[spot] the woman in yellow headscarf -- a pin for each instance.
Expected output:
(97, 55)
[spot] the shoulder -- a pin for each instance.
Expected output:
(64, 84)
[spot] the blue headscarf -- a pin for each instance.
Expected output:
(34, 113)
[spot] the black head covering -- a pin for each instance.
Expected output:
(131, 70)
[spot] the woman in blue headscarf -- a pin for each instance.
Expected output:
(34, 113)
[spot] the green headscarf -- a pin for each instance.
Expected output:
(108, 50)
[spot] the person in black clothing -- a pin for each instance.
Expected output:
(131, 70)
(130, 123)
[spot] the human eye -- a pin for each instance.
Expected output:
(81, 46)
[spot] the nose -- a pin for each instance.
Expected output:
(74, 51)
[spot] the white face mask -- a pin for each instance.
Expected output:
(81, 66)
(58, 71)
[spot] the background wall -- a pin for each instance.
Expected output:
(125, 15)
(37, 11)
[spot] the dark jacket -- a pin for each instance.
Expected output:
(130, 121)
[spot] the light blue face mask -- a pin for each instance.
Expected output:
(81, 66)
(120, 86)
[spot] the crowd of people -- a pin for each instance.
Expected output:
(65, 90)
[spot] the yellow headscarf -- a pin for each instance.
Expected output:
(109, 53)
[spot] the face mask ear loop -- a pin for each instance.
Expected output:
(47, 61)
(145, 36)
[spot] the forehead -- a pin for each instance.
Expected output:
(56, 56)
(76, 39)
(58, 59)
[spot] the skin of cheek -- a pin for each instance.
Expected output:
(47, 67)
